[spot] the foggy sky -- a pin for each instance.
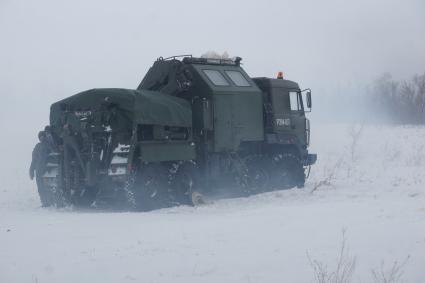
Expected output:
(52, 49)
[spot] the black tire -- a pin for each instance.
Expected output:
(77, 192)
(288, 171)
(58, 196)
(258, 178)
(53, 182)
(150, 188)
(185, 182)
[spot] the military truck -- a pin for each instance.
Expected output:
(193, 126)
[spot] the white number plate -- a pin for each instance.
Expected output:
(283, 122)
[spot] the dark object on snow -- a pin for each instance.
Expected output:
(192, 125)
(40, 155)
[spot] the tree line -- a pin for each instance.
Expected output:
(403, 102)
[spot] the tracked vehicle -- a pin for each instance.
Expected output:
(193, 126)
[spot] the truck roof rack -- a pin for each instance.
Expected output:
(212, 61)
(189, 59)
(174, 57)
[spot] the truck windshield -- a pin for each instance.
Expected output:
(295, 101)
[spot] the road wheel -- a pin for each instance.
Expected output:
(288, 171)
(186, 184)
(258, 177)
(53, 181)
(150, 188)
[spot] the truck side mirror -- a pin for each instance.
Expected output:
(309, 99)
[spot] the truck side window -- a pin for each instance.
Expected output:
(293, 98)
(216, 77)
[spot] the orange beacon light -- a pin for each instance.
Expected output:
(280, 75)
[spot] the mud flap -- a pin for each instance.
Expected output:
(310, 159)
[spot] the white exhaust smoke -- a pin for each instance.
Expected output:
(215, 55)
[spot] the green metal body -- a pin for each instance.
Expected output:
(205, 111)
(236, 112)
(284, 125)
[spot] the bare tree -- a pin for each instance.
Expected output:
(355, 134)
(344, 268)
(392, 275)
(403, 102)
(384, 91)
(329, 176)
(419, 82)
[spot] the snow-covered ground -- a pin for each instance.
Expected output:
(368, 182)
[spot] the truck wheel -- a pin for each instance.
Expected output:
(53, 181)
(258, 174)
(186, 183)
(150, 188)
(288, 171)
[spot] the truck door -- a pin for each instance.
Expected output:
(288, 110)
(281, 109)
(289, 114)
(297, 112)
(223, 121)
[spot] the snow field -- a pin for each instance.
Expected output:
(368, 181)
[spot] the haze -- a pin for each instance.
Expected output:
(52, 49)
(368, 180)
